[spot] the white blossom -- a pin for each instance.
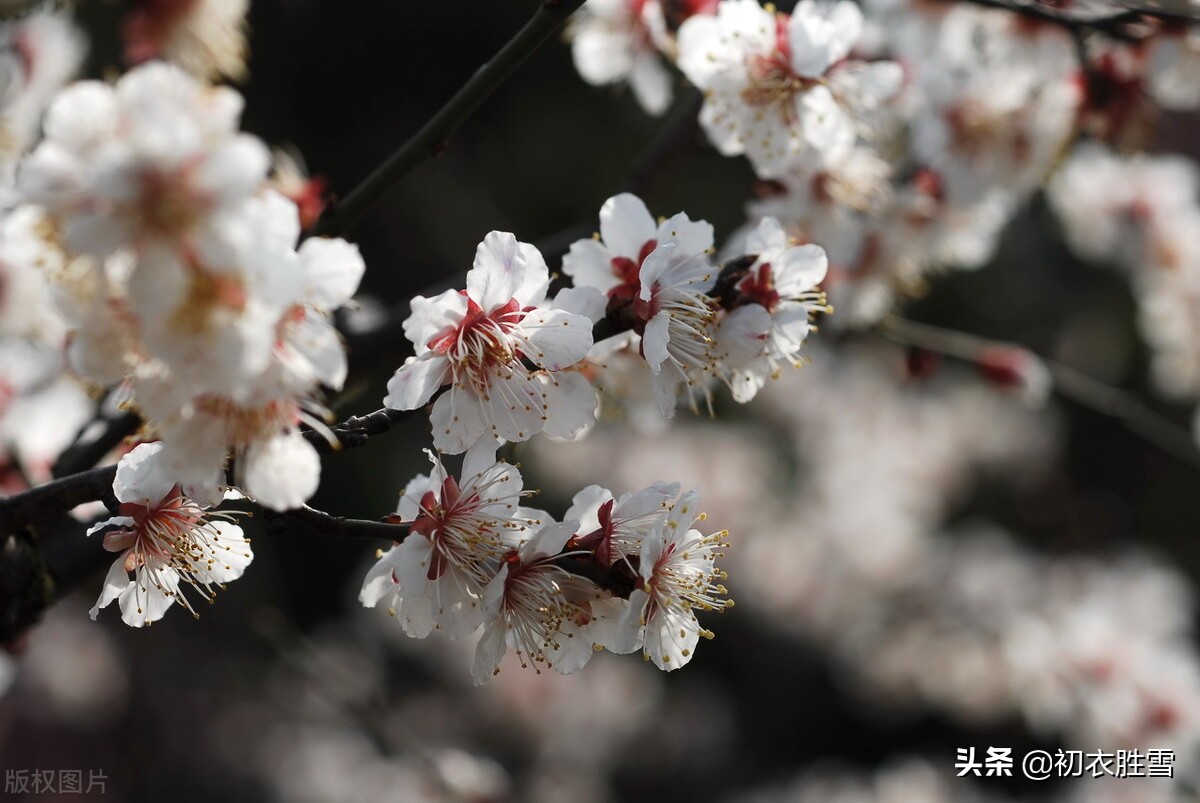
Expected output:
(779, 87)
(477, 341)
(678, 578)
(165, 540)
(458, 532)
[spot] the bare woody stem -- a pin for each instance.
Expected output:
(433, 136)
(1068, 382)
(318, 521)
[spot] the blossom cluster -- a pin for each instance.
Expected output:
(476, 557)
(1141, 215)
(901, 136)
(515, 364)
(179, 273)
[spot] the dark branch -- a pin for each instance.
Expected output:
(84, 454)
(433, 136)
(57, 496)
(1138, 417)
(321, 523)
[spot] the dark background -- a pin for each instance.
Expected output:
(346, 83)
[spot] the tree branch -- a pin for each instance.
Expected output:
(432, 138)
(322, 523)
(84, 454)
(1070, 383)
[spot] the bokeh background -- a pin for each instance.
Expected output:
(915, 552)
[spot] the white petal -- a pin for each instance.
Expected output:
(570, 404)
(144, 601)
(559, 338)
(589, 264)
(799, 269)
(332, 269)
(115, 582)
(505, 269)
(626, 225)
(651, 83)
(434, 316)
(416, 381)
(654, 342)
(141, 477)
(585, 507)
(586, 301)
(489, 652)
(233, 554)
(458, 420)
(380, 580)
(281, 472)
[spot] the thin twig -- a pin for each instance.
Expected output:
(434, 135)
(1070, 383)
(322, 523)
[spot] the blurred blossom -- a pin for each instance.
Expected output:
(72, 673)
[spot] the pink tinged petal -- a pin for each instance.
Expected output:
(417, 380)
(586, 301)
(381, 580)
(141, 476)
(654, 342)
(230, 558)
(649, 500)
(768, 237)
(655, 268)
(559, 338)
(234, 169)
(432, 317)
(571, 404)
(626, 225)
(457, 607)
(115, 521)
(489, 652)
(146, 600)
(864, 87)
(548, 541)
(314, 352)
(281, 472)
(82, 114)
(115, 582)
(665, 386)
(746, 381)
(799, 269)
(601, 54)
(622, 629)
(571, 648)
(589, 264)
(585, 506)
(651, 83)
(691, 236)
(722, 128)
(742, 335)
(824, 124)
(458, 420)
(499, 270)
(195, 452)
(480, 458)
(821, 36)
(536, 280)
(332, 270)
(790, 328)
(671, 638)
(514, 407)
(410, 501)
